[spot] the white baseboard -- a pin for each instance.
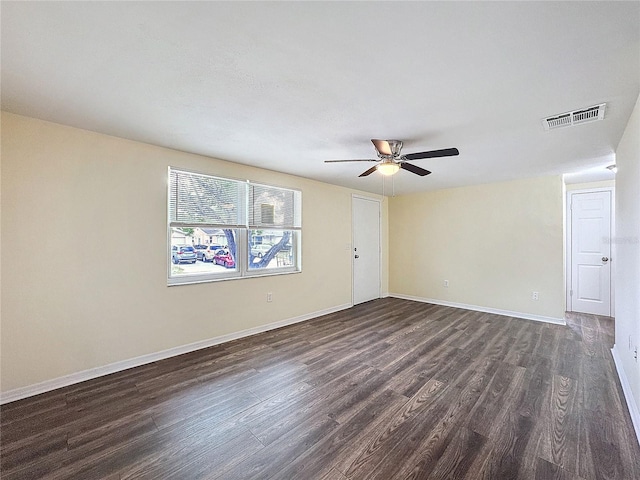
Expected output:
(496, 311)
(632, 405)
(48, 385)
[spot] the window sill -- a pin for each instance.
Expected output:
(193, 279)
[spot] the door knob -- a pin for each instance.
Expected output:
(605, 259)
(357, 256)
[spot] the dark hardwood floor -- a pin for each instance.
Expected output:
(391, 389)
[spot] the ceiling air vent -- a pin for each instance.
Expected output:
(576, 117)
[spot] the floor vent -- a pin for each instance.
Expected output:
(577, 117)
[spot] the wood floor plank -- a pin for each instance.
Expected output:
(198, 459)
(40, 405)
(612, 456)
(380, 435)
(102, 435)
(44, 445)
(461, 453)
(318, 460)
(423, 435)
(272, 427)
(334, 474)
(220, 407)
(537, 382)
(507, 458)
(417, 452)
(560, 424)
(599, 392)
(389, 389)
(295, 441)
(489, 412)
(549, 471)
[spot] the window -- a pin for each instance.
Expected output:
(252, 229)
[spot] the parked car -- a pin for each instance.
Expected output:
(260, 250)
(206, 254)
(183, 253)
(224, 258)
(198, 249)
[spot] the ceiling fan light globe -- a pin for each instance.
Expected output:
(388, 168)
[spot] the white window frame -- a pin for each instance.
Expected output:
(242, 230)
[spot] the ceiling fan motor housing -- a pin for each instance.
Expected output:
(395, 146)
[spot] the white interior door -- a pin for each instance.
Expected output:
(366, 249)
(591, 252)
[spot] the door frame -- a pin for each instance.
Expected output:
(568, 233)
(351, 252)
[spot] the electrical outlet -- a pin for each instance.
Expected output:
(269, 296)
(446, 283)
(534, 296)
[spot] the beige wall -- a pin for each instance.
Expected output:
(84, 255)
(495, 243)
(627, 256)
(584, 186)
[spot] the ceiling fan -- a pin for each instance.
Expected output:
(390, 160)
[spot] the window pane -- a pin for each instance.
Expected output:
(193, 253)
(273, 207)
(272, 248)
(203, 199)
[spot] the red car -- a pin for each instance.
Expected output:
(224, 258)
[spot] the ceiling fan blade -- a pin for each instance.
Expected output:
(447, 152)
(382, 146)
(414, 169)
(356, 160)
(368, 172)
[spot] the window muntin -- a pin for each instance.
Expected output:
(258, 226)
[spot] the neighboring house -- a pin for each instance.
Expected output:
(269, 237)
(178, 237)
(209, 236)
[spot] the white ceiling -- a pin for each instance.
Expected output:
(285, 86)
